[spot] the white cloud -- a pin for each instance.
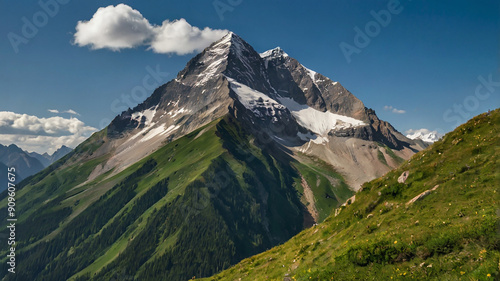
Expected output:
(393, 109)
(120, 27)
(424, 134)
(182, 38)
(114, 28)
(70, 111)
(33, 133)
(42, 144)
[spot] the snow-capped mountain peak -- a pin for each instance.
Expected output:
(273, 53)
(423, 134)
(230, 40)
(271, 93)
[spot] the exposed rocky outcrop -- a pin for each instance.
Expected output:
(403, 176)
(421, 196)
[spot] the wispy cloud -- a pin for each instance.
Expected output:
(121, 27)
(38, 134)
(394, 110)
(70, 111)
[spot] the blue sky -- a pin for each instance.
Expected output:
(433, 64)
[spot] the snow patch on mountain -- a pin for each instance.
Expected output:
(314, 120)
(251, 98)
(272, 54)
(317, 121)
(311, 137)
(423, 134)
(209, 72)
(311, 73)
(176, 112)
(148, 114)
(158, 131)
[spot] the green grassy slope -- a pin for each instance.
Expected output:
(194, 207)
(453, 233)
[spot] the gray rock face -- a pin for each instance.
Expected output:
(379, 131)
(292, 79)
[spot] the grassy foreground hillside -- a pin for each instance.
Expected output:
(451, 233)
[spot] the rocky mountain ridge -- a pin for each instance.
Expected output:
(270, 92)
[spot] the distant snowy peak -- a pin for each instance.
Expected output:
(423, 134)
(273, 53)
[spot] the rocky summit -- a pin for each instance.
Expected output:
(273, 95)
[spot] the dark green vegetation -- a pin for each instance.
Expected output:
(193, 208)
(453, 233)
(390, 153)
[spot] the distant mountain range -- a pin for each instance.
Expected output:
(47, 159)
(28, 163)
